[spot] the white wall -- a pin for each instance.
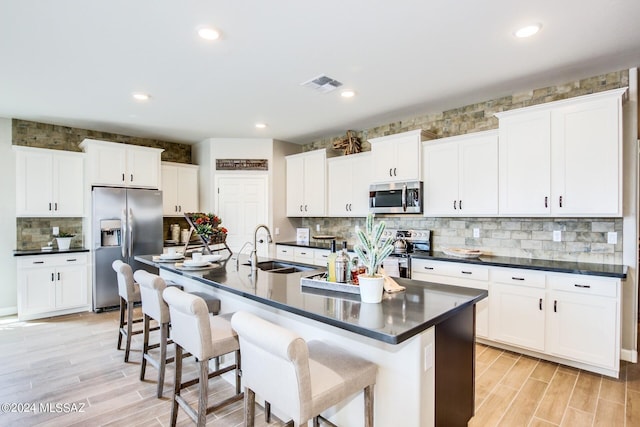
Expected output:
(8, 286)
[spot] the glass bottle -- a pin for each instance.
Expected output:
(331, 263)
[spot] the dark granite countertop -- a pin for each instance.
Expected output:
(51, 252)
(397, 318)
(606, 270)
(318, 244)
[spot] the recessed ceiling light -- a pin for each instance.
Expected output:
(261, 125)
(528, 31)
(208, 33)
(348, 93)
(139, 96)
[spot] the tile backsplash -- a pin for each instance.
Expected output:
(34, 233)
(583, 239)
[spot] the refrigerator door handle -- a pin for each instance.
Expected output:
(130, 232)
(125, 241)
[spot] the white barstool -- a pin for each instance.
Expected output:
(129, 292)
(205, 337)
(300, 379)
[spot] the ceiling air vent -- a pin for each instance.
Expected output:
(322, 83)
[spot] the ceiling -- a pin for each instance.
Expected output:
(77, 62)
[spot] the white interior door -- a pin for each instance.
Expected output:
(242, 205)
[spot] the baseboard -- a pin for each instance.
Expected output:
(629, 355)
(8, 311)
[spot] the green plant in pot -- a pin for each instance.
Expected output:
(372, 252)
(64, 240)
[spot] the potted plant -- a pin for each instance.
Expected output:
(372, 253)
(64, 240)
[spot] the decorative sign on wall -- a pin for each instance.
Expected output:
(242, 164)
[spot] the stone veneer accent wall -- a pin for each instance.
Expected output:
(33, 233)
(583, 239)
(42, 135)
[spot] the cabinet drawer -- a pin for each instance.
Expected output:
(52, 260)
(584, 284)
(451, 269)
(320, 256)
(284, 252)
(302, 254)
(519, 277)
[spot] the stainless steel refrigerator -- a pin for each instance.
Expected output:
(125, 222)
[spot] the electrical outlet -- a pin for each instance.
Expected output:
(56, 231)
(277, 231)
(557, 235)
(476, 233)
(612, 237)
(317, 227)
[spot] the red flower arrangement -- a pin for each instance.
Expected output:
(208, 226)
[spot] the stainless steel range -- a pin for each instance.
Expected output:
(405, 243)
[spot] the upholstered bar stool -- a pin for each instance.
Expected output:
(129, 292)
(154, 307)
(300, 379)
(205, 337)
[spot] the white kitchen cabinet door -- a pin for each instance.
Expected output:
(49, 183)
(397, 158)
(478, 175)
(441, 176)
(586, 172)
(37, 291)
(348, 185)
(295, 186)
(524, 165)
(306, 184)
(582, 328)
(71, 286)
(108, 165)
(517, 315)
(68, 185)
(179, 189)
(315, 185)
(143, 167)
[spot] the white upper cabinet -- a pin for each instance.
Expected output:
(397, 157)
(49, 182)
(349, 179)
(306, 184)
(179, 188)
(563, 158)
(122, 165)
(461, 175)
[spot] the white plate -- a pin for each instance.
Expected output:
(181, 266)
(462, 252)
(175, 256)
(194, 263)
(211, 258)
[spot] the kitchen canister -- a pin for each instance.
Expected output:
(175, 232)
(184, 236)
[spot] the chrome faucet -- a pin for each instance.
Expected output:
(254, 254)
(239, 252)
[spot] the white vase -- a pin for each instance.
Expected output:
(371, 288)
(63, 243)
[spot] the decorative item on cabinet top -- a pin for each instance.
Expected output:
(351, 143)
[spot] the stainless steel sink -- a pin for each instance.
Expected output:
(283, 267)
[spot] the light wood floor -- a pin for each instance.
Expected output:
(73, 360)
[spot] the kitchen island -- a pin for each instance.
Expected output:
(422, 339)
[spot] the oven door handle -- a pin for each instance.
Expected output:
(404, 197)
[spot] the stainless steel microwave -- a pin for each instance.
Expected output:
(396, 197)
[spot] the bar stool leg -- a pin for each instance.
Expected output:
(164, 336)
(238, 373)
(267, 412)
(249, 407)
(177, 382)
(121, 326)
(145, 347)
(203, 399)
(129, 330)
(368, 406)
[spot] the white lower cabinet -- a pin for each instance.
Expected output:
(568, 318)
(305, 254)
(50, 285)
